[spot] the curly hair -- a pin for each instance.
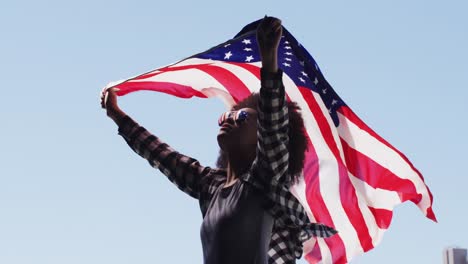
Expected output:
(297, 137)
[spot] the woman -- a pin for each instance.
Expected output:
(249, 215)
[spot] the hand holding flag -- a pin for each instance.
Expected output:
(109, 102)
(269, 33)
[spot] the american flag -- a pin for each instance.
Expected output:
(352, 177)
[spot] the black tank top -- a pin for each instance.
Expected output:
(237, 227)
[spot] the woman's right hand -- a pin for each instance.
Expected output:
(109, 102)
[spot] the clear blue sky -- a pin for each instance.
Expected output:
(71, 191)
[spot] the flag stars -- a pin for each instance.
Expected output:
(248, 49)
(286, 64)
(316, 82)
(302, 80)
(288, 59)
(227, 45)
(324, 91)
(246, 41)
(227, 55)
(334, 102)
(302, 63)
(249, 58)
(286, 42)
(289, 54)
(304, 74)
(288, 47)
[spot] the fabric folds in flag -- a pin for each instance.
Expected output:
(352, 178)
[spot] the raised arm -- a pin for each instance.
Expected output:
(273, 121)
(185, 172)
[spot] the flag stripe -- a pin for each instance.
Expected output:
(299, 191)
(362, 166)
(375, 197)
(368, 145)
(383, 217)
(426, 202)
(371, 218)
(175, 67)
(314, 256)
(252, 68)
(228, 80)
(316, 203)
(175, 89)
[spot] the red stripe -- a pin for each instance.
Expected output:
(165, 87)
(317, 204)
(377, 176)
(348, 196)
(314, 256)
(229, 80)
(255, 70)
(346, 111)
(383, 217)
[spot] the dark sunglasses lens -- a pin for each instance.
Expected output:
(242, 116)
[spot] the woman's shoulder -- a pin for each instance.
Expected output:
(214, 178)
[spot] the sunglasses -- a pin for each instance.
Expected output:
(237, 116)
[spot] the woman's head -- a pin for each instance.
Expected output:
(242, 136)
(238, 133)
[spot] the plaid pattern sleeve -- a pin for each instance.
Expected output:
(185, 172)
(292, 226)
(272, 135)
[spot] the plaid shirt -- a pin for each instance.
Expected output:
(292, 226)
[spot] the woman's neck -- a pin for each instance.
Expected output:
(232, 176)
(236, 167)
(233, 172)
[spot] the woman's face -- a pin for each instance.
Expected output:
(238, 131)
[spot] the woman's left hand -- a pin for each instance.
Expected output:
(269, 34)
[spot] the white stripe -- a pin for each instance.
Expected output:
(329, 175)
(376, 198)
(365, 143)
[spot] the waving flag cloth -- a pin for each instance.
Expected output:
(352, 177)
